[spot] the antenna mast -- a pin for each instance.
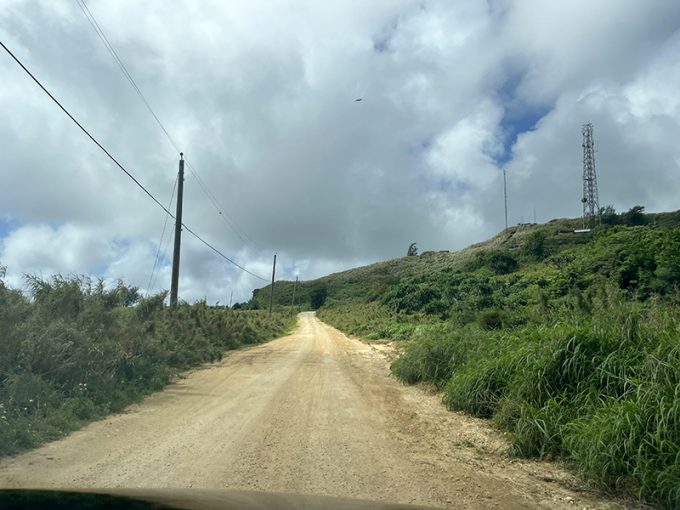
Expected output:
(505, 198)
(590, 200)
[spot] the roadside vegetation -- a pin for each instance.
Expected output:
(570, 342)
(74, 351)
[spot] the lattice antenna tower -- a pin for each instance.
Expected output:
(590, 200)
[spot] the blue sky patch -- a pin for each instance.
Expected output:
(519, 117)
(514, 124)
(7, 225)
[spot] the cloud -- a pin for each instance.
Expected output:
(465, 154)
(260, 97)
(43, 249)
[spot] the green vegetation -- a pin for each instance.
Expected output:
(570, 342)
(77, 351)
(317, 298)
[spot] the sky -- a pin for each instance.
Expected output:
(260, 97)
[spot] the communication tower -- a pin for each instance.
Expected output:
(590, 200)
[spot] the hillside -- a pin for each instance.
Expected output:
(364, 283)
(568, 341)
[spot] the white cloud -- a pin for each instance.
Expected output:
(42, 249)
(260, 96)
(465, 154)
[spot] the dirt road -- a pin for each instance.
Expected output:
(314, 413)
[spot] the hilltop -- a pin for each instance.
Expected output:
(366, 282)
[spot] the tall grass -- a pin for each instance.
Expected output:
(601, 389)
(372, 320)
(77, 351)
(435, 356)
(568, 342)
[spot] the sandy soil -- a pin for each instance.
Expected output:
(313, 413)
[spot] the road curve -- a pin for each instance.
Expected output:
(314, 412)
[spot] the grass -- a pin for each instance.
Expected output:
(601, 390)
(570, 343)
(372, 321)
(77, 351)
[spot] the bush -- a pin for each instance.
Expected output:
(501, 262)
(79, 351)
(492, 319)
(434, 358)
(599, 385)
(534, 246)
(317, 297)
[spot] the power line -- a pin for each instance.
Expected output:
(218, 252)
(164, 253)
(112, 51)
(83, 129)
(211, 197)
(132, 177)
(160, 242)
(119, 62)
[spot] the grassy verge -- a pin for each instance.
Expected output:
(371, 321)
(599, 388)
(76, 352)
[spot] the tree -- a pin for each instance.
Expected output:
(608, 215)
(412, 250)
(635, 216)
(317, 297)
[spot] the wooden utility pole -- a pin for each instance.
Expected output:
(174, 284)
(294, 285)
(271, 294)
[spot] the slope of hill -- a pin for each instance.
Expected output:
(364, 283)
(568, 341)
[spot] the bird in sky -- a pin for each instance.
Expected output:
(358, 99)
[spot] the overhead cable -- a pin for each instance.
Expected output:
(121, 167)
(121, 65)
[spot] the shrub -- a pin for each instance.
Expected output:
(80, 350)
(432, 358)
(317, 297)
(492, 319)
(501, 262)
(635, 216)
(534, 246)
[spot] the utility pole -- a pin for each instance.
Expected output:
(271, 294)
(230, 297)
(294, 285)
(174, 284)
(505, 198)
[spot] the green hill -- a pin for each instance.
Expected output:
(569, 341)
(363, 284)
